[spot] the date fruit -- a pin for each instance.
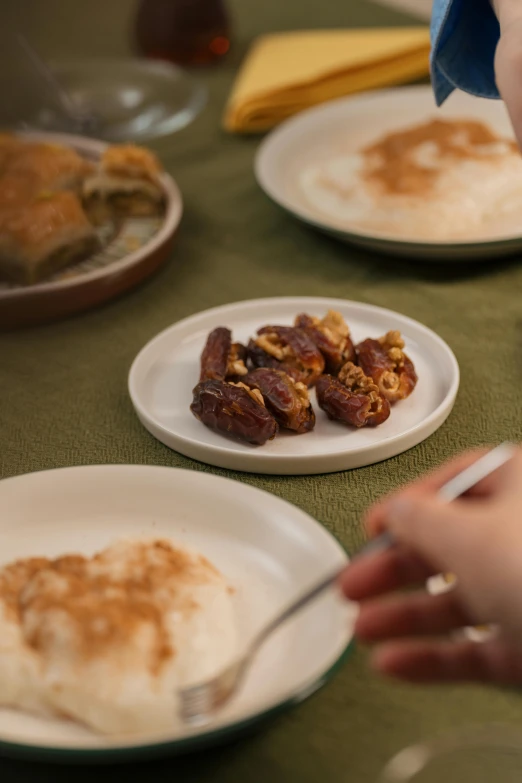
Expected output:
(221, 358)
(286, 400)
(352, 398)
(214, 359)
(331, 335)
(288, 349)
(234, 411)
(392, 370)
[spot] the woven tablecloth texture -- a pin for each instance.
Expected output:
(63, 388)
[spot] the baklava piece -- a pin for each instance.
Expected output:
(47, 235)
(52, 166)
(127, 183)
(17, 190)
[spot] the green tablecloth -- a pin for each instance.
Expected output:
(64, 395)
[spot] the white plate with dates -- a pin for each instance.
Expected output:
(167, 369)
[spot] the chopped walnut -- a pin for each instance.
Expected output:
(393, 343)
(257, 396)
(335, 327)
(390, 381)
(354, 379)
(236, 365)
(357, 382)
(376, 402)
(302, 393)
(237, 368)
(392, 339)
(396, 355)
(254, 393)
(272, 345)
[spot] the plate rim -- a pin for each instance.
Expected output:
(171, 222)
(380, 238)
(275, 460)
(162, 745)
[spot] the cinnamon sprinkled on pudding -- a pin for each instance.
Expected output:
(109, 640)
(439, 180)
(410, 161)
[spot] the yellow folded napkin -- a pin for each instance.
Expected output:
(288, 72)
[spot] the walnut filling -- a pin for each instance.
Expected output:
(376, 403)
(302, 393)
(334, 328)
(393, 344)
(236, 365)
(237, 368)
(357, 382)
(254, 393)
(354, 379)
(271, 344)
(390, 381)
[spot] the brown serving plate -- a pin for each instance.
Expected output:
(136, 251)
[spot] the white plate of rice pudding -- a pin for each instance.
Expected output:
(119, 585)
(390, 171)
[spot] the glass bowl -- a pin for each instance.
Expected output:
(483, 754)
(124, 100)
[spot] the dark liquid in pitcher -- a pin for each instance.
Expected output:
(188, 32)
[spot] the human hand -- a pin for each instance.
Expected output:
(508, 60)
(477, 537)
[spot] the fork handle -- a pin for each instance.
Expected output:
(459, 484)
(384, 541)
(452, 489)
(297, 605)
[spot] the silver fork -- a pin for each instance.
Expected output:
(198, 703)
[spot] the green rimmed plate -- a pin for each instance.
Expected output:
(269, 550)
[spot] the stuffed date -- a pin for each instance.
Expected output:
(392, 370)
(233, 410)
(221, 358)
(352, 398)
(286, 399)
(288, 349)
(331, 335)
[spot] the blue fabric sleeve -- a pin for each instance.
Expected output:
(464, 35)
